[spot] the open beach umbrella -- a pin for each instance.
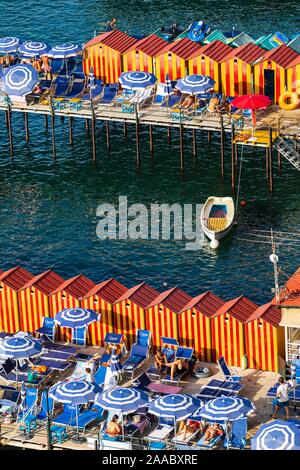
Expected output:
(226, 409)
(115, 366)
(277, 435)
(122, 399)
(135, 80)
(19, 79)
(9, 44)
(174, 406)
(195, 84)
(33, 49)
(64, 51)
(252, 102)
(76, 317)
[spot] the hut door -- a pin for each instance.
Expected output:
(269, 81)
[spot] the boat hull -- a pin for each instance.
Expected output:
(214, 203)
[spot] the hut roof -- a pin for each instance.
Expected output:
(142, 295)
(248, 53)
(295, 62)
(184, 48)
(291, 293)
(109, 290)
(15, 278)
(216, 51)
(151, 45)
(267, 312)
(115, 39)
(77, 286)
(240, 308)
(174, 299)
(282, 55)
(46, 282)
(207, 303)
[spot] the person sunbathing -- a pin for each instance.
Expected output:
(188, 102)
(188, 426)
(213, 105)
(177, 364)
(212, 431)
(159, 360)
(113, 428)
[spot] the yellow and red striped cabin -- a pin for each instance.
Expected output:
(271, 71)
(265, 338)
(69, 295)
(104, 54)
(140, 57)
(34, 299)
(129, 311)
(194, 324)
(293, 74)
(173, 60)
(207, 61)
(10, 283)
(227, 330)
(162, 314)
(101, 299)
(237, 70)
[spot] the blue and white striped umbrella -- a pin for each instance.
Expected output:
(174, 406)
(277, 435)
(76, 317)
(75, 392)
(63, 51)
(136, 80)
(19, 348)
(115, 365)
(9, 44)
(122, 400)
(33, 49)
(23, 396)
(226, 409)
(195, 84)
(168, 85)
(19, 79)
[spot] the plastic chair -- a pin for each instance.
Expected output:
(47, 328)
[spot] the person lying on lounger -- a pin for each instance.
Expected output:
(212, 431)
(177, 364)
(114, 429)
(188, 426)
(159, 360)
(188, 102)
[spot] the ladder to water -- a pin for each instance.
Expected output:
(289, 149)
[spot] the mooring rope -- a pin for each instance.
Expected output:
(239, 180)
(17, 428)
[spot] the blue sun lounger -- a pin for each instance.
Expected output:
(94, 413)
(94, 93)
(109, 94)
(32, 418)
(61, 86)
(174, 99)
(67, 417)
(227, 374)
(138, 355)
(76, 89)
(111, 338)
(237, 435)
(169, 346)
(181, 353)
(217, 388)
(48, 328)
(212, 444)
(51, 346)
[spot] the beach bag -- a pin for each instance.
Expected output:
(244, 362)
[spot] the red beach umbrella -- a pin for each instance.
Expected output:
(251, 102)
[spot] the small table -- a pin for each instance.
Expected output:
(59, 433)
(75, 104)
(59, 103)
(127, 107)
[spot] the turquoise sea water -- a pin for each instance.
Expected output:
(48, 210)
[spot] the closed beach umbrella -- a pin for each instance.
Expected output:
(9, 44)
(122, 400)
(76, 317)
(174, 406)
(195, 84)
(115, 366)
(277, 435)
(226, 409)
(33, 49)
(136, 80)
(64, 51)
(19, 79)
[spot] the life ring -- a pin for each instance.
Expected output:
(289, 101)
(202, 372)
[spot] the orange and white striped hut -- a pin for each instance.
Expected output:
(129, 311)
(101, 299)
(194, 324)
(271, 71)
(10, 283)
(293, 75)
(34, 299)
(207, 61)
(104, 54)
(140, 57)
(162, 314)
(265, 338)
(237, 69)
(68, 295)
(227, 329)
(173, 60)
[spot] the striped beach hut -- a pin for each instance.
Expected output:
(68, 295)
(104, 54)
(271, 71)
(101, 299)
(207, 61)
(265, 338)
(129, 310)
(34, 299)
(140, 57)
(227, 329)
(237, 69)
(162, 314)
(173, 60)
(194, 324)
(11, 282)
(293, 74)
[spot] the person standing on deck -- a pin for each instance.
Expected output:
(282, 398)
